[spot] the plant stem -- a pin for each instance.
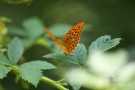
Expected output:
(53, 83)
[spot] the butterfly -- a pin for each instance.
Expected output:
(70, 40)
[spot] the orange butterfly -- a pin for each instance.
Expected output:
(70, 40)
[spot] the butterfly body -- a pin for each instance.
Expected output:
(70, 40)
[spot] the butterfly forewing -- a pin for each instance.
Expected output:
(72, 38)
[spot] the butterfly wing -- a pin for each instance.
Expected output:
(57, 41)
(72, 38)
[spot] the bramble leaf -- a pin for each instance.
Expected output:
(15, 50)
(38, 65)
(103, 43)
(32, 72)
(4, 60)
(4, 70)
(32, 75)
(77, 57)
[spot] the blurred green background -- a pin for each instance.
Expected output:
(101, 17)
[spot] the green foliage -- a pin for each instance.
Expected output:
(31, 71)
(15, 50)
(33, 29)
(4, 60)
(4, 70)
(80, 53)
(38, 65)
(103, 43)
(77, 57)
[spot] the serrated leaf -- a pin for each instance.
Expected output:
(77, 57)
(32, 75)
(76, 78)
(3, 71)
(34, 27)
(4, 60)
(38, 65)
(15, 50)
(31, 71)
(103, 43)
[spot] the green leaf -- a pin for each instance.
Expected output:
(76, 78)
(32, 75)
(15, 50)
(77, 57)
(32, 72)
(103, 43)
(4, 70)
(34, 27)
(12, 30)
(4, 60)
(38, 65)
